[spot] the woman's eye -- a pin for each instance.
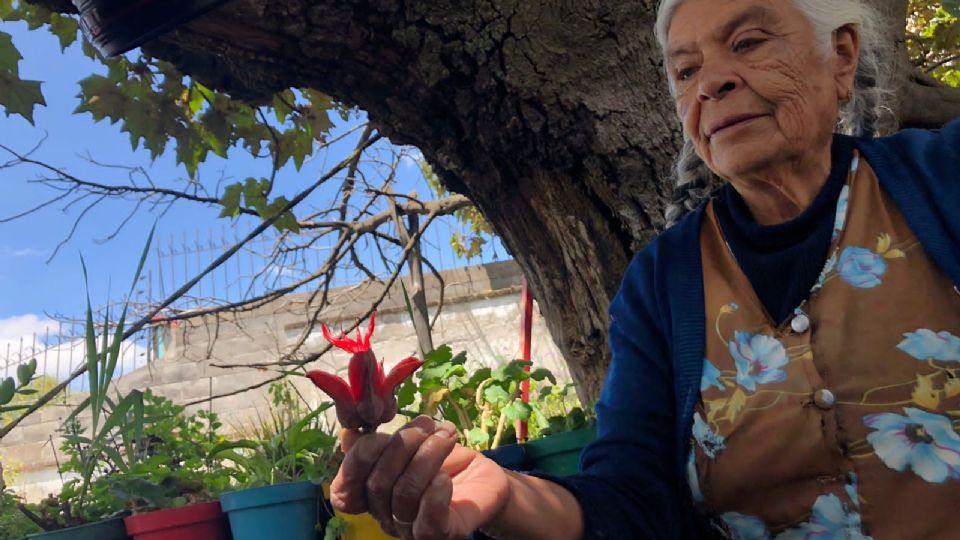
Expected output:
(747, 44)
(685, 73)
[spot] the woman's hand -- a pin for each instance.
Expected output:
(419, 483)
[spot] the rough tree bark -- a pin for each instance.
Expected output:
(552, 116)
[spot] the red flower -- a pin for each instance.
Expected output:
(368, 400)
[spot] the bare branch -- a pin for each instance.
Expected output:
(287, 360)
(149, 317)
(927, 103)
(440, 206)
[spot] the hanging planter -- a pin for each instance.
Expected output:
(559, 454)
(110, 529)
(195, 522)
(294, 508)
(116, 26)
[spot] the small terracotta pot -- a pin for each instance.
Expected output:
(204, 521)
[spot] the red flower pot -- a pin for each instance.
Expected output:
(196, 522)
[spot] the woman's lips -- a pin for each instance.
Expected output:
(727, 125)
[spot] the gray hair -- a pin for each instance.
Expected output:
(859, 116)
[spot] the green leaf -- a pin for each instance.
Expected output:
(9, 55)
(231, 200)
(8, 388)
(517, 410)
(952, 7)
(191, 150)
(102, 98)
(495, 394)
(293, 144)
(334, 528)
(287, 221)
(228, 446)
(25, 372)
(253, 195)
(438, 356)
(217, 131)
(540, 374)
(407, 394)
(13, 408)
(283, 103)
(65, 28)
(512, 371)
(20, 97)
(477, 438)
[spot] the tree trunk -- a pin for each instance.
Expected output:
(552, 116)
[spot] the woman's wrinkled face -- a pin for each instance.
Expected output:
(753, 87)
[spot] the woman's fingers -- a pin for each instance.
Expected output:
(395, 477)
(433, 518)
(411, 485)
(347, 491)
(380, 484)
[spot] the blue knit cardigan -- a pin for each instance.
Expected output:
(633, 483)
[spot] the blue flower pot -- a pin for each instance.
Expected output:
(291, 509)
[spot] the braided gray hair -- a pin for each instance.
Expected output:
(861, 115)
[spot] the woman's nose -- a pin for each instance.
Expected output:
(715, 84)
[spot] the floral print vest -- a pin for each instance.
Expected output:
(843, 421)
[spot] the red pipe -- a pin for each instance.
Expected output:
(526, 327)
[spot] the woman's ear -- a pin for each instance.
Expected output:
(846, 55)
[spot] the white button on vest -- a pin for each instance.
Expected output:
(800, 323)
(824, 399)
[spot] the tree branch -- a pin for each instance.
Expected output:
(149, 317)
(927, 103)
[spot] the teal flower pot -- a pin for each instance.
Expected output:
(111, 529)
(293, 509)
(559, 454)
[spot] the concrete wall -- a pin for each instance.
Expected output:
(481, 315)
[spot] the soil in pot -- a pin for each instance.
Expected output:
(204, 521)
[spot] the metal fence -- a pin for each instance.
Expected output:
(59, 348)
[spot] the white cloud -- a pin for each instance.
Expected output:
(411, 157)
(28, 252)
(60, 356)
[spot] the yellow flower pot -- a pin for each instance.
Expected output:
(360, 526)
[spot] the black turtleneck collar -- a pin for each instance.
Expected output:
(783, 261)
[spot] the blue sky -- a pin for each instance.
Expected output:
(30, 287)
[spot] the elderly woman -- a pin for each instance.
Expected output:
(786, 359)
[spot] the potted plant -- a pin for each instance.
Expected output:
(561, 428)
(96, 447)
(485, 404)
(13, 524)
(172, 482)
(280, 471)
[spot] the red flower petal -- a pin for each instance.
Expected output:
(366, 339)
(363, 371)
(333, 386)
(400, 372)
(343, 342)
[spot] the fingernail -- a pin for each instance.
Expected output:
(445, 432)
(439, 480)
